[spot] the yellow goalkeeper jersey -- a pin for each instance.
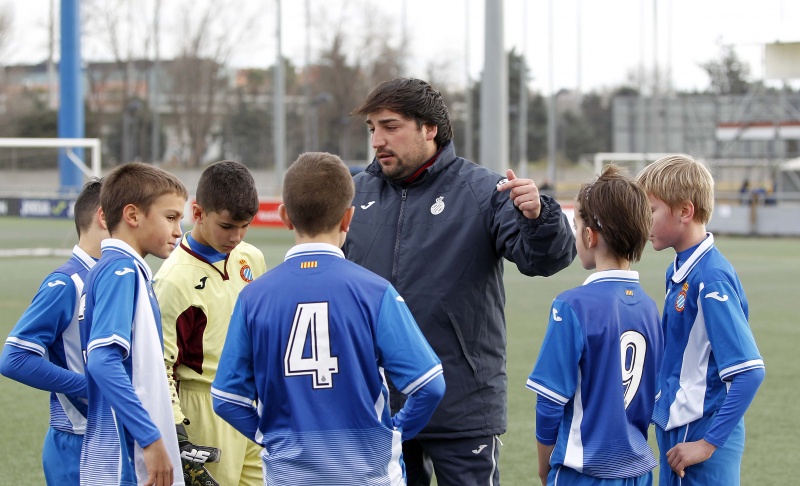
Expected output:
(196, 298)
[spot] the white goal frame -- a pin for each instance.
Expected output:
(641, 159)
(67, 143)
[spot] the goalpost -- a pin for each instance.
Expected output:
(31, 164)
(633, 161)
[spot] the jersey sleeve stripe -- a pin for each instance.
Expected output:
(545, 392)
(113, 339)
(747, 365)
(422, 381)
(231, 398)
(27, 345)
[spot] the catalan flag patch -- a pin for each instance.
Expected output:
(629, 292)
(308, 264)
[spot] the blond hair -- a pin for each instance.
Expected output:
(680, 178)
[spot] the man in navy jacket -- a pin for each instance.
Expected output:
(438, 227)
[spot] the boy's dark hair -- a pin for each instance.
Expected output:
(138, 184)
(616, 206)
(228, 185)
(86, 205)
(317, 190)
(414, 99)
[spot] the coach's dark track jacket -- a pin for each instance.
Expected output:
(441, 241)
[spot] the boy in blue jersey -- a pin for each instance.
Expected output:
(596, 373)
(712, 367)
(310, 342)
(130, 434)
(44, 348)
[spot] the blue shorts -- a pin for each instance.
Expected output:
(723, 467)
(61, 458)
(567, 476)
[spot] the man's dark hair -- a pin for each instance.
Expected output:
(86, 205)
(415, 99)
(228, 185)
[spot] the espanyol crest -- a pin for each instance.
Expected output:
(438, 206)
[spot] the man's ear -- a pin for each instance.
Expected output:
(285, 217)
(347, 219)
(430, 131)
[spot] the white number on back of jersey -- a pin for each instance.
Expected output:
(311, 326)
(633, 347)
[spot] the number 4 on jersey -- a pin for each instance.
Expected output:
(310, 327)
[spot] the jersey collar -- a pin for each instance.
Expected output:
(113, 244)
(612, 275)
(305, 249)
(83, 257)
(680, 273)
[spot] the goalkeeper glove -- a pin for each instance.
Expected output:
(193, 459)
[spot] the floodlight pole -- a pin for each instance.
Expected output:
(280, 116)
(494, 92)
(70, 110)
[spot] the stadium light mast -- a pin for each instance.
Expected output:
(552, 112)
(279, 131)
(522, 122)
(494, 91)
(70, 109)
(468, 132)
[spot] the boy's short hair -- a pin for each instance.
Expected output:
(86, 205)
(416, 100)
(679, 178)
(317, 190)
(135, 183)
(228, 185)
(616, 206)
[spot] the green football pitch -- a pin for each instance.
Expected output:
(769, 270)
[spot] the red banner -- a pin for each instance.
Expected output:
(268, 214)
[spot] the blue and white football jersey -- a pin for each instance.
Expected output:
(707, 337)
(599, 359)
(309, 341)
(121, 309)
(49, 328)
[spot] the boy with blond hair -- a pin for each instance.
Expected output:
(712, 367)
(310, 342)
(197, 287)
(595, 377)
(130, 434)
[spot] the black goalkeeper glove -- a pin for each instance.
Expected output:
(193, 459)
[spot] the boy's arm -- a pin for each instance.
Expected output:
(234, 389)
(740, 394)
(32, 369)
(48, 316)
(104, 364)
(419, 407)
(548, 419)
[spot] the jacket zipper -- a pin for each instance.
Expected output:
(399, 232)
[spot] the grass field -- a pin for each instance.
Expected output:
(767, 267)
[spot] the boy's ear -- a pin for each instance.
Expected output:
(101, 218)
(285, 217)
(197, 212)
(347, 219)
(131, 215)
(686, 212)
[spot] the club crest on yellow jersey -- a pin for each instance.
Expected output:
(246, 273)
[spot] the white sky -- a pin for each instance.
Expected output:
(616, 36)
